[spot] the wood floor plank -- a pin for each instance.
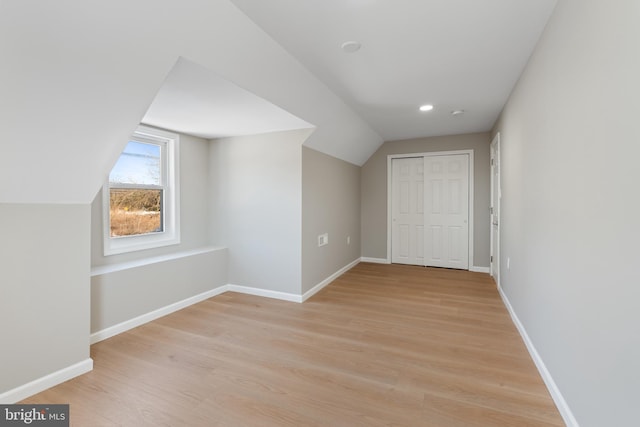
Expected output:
(383, 345)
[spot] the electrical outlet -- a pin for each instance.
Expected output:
(508, 263)
(348, 240)
(323, 239)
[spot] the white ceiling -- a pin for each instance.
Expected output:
(78, 77)
(455, 54)
(196, 101)
(74, 69)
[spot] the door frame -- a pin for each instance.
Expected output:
(494, 248)
(390, 157)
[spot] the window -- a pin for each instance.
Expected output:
(140, 198)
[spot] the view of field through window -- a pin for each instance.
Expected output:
(135, 211)
(135, 194)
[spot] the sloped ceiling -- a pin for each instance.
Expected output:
(455, 54)
(195, 101)
(78, 77)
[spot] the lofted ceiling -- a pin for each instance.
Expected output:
(78, 77)
(455, 54)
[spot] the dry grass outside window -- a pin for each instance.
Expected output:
(134, 212)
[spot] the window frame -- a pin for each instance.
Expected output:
(170, 204)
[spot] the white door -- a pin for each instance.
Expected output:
(447, 211)
(407, 206)
(495, 209)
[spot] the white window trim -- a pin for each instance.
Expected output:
(171, 206)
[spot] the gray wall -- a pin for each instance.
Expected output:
(330, 204)
(570, 176)
(44, 285)
(256, 196)
(122, 295)
(374, 190)
(118, 295)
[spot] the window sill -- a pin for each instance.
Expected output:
(106, 269)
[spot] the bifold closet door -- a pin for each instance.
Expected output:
(430, 211)
(447, 211)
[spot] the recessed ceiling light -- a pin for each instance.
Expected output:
(457, 112)
(426, 107)
(351, 46)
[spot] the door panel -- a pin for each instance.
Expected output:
(436, 243)
(447, 211)
(455, 204)
(420, 243)
(455, 251)
(404, 240)
(407, 229)
(495, 209)
(436, 196)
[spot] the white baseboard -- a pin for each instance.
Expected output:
(559, 400)
(48, 381)
(163, 311)
(375, 260)
(311, 292)
(480, 269)
(263, 293)
(152, 315)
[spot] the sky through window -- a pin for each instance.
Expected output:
(139, 164)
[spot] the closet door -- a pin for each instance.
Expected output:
(407, 210)
(447, 211)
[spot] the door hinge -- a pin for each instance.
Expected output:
(491, 258)
(491, 162)
(491, 210)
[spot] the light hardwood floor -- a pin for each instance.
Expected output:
(383, 345)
